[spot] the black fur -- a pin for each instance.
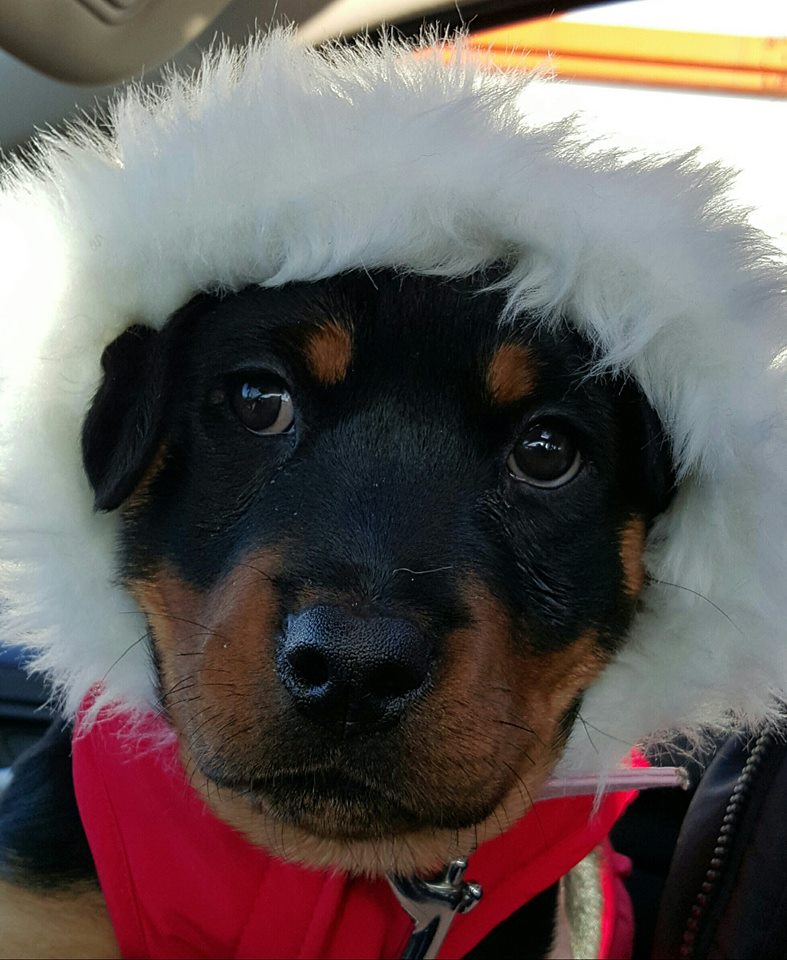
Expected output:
(122, 426)
(42, 841)
(526, 935)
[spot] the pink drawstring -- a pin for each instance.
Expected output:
(630, 778)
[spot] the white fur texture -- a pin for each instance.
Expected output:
(281, 164)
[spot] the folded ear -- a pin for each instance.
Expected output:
(658, 468)
(653, 471)
(121, 432)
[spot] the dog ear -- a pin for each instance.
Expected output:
(655, 468)
(122, 428)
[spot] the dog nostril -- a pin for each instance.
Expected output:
(310, 666)
(391, 680)
(352, 674)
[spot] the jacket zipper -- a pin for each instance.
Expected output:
(733, 814)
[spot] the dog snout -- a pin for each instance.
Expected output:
(355, 674)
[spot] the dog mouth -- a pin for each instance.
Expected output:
(331, 804)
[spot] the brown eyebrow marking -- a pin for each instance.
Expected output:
(632, 546)
(511, 374)
(328, 352)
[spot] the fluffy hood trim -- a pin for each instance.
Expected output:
(280, 163)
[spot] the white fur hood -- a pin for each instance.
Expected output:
(280, 164)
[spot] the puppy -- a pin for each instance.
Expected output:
(382, 545)
(373, 521)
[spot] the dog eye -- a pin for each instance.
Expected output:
(262, 404)
(546, 456)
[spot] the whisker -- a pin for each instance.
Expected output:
(209, 719)
(128, 649)
(193, 623)
(517, 726)
(178, 686)
(420, 573)
(603, 733)
(228, 724)
(587, 732)
(261, 573)
(696, 593)
(533, 806)
(178, 703)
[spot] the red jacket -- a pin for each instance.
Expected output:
(181, 883)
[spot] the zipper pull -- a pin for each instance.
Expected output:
(433, 904)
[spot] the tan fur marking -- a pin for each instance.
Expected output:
(328, 353)
(214, 648)
(142, 490)
(66, 924)
(632, 546)
(487, 731)
(511, 375)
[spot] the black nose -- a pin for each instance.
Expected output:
(359, 674)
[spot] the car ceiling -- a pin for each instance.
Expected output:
(59, 56)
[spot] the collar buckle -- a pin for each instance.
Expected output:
(432, 905)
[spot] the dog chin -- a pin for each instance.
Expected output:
(358, 830)
(337, 809)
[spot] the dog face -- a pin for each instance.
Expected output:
(383, 544)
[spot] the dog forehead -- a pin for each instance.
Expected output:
(381, 301)
(384, 325)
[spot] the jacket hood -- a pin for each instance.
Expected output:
(279, 163)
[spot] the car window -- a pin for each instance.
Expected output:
(665, 76)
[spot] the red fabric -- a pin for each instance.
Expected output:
(617, 917)
(181, 883)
